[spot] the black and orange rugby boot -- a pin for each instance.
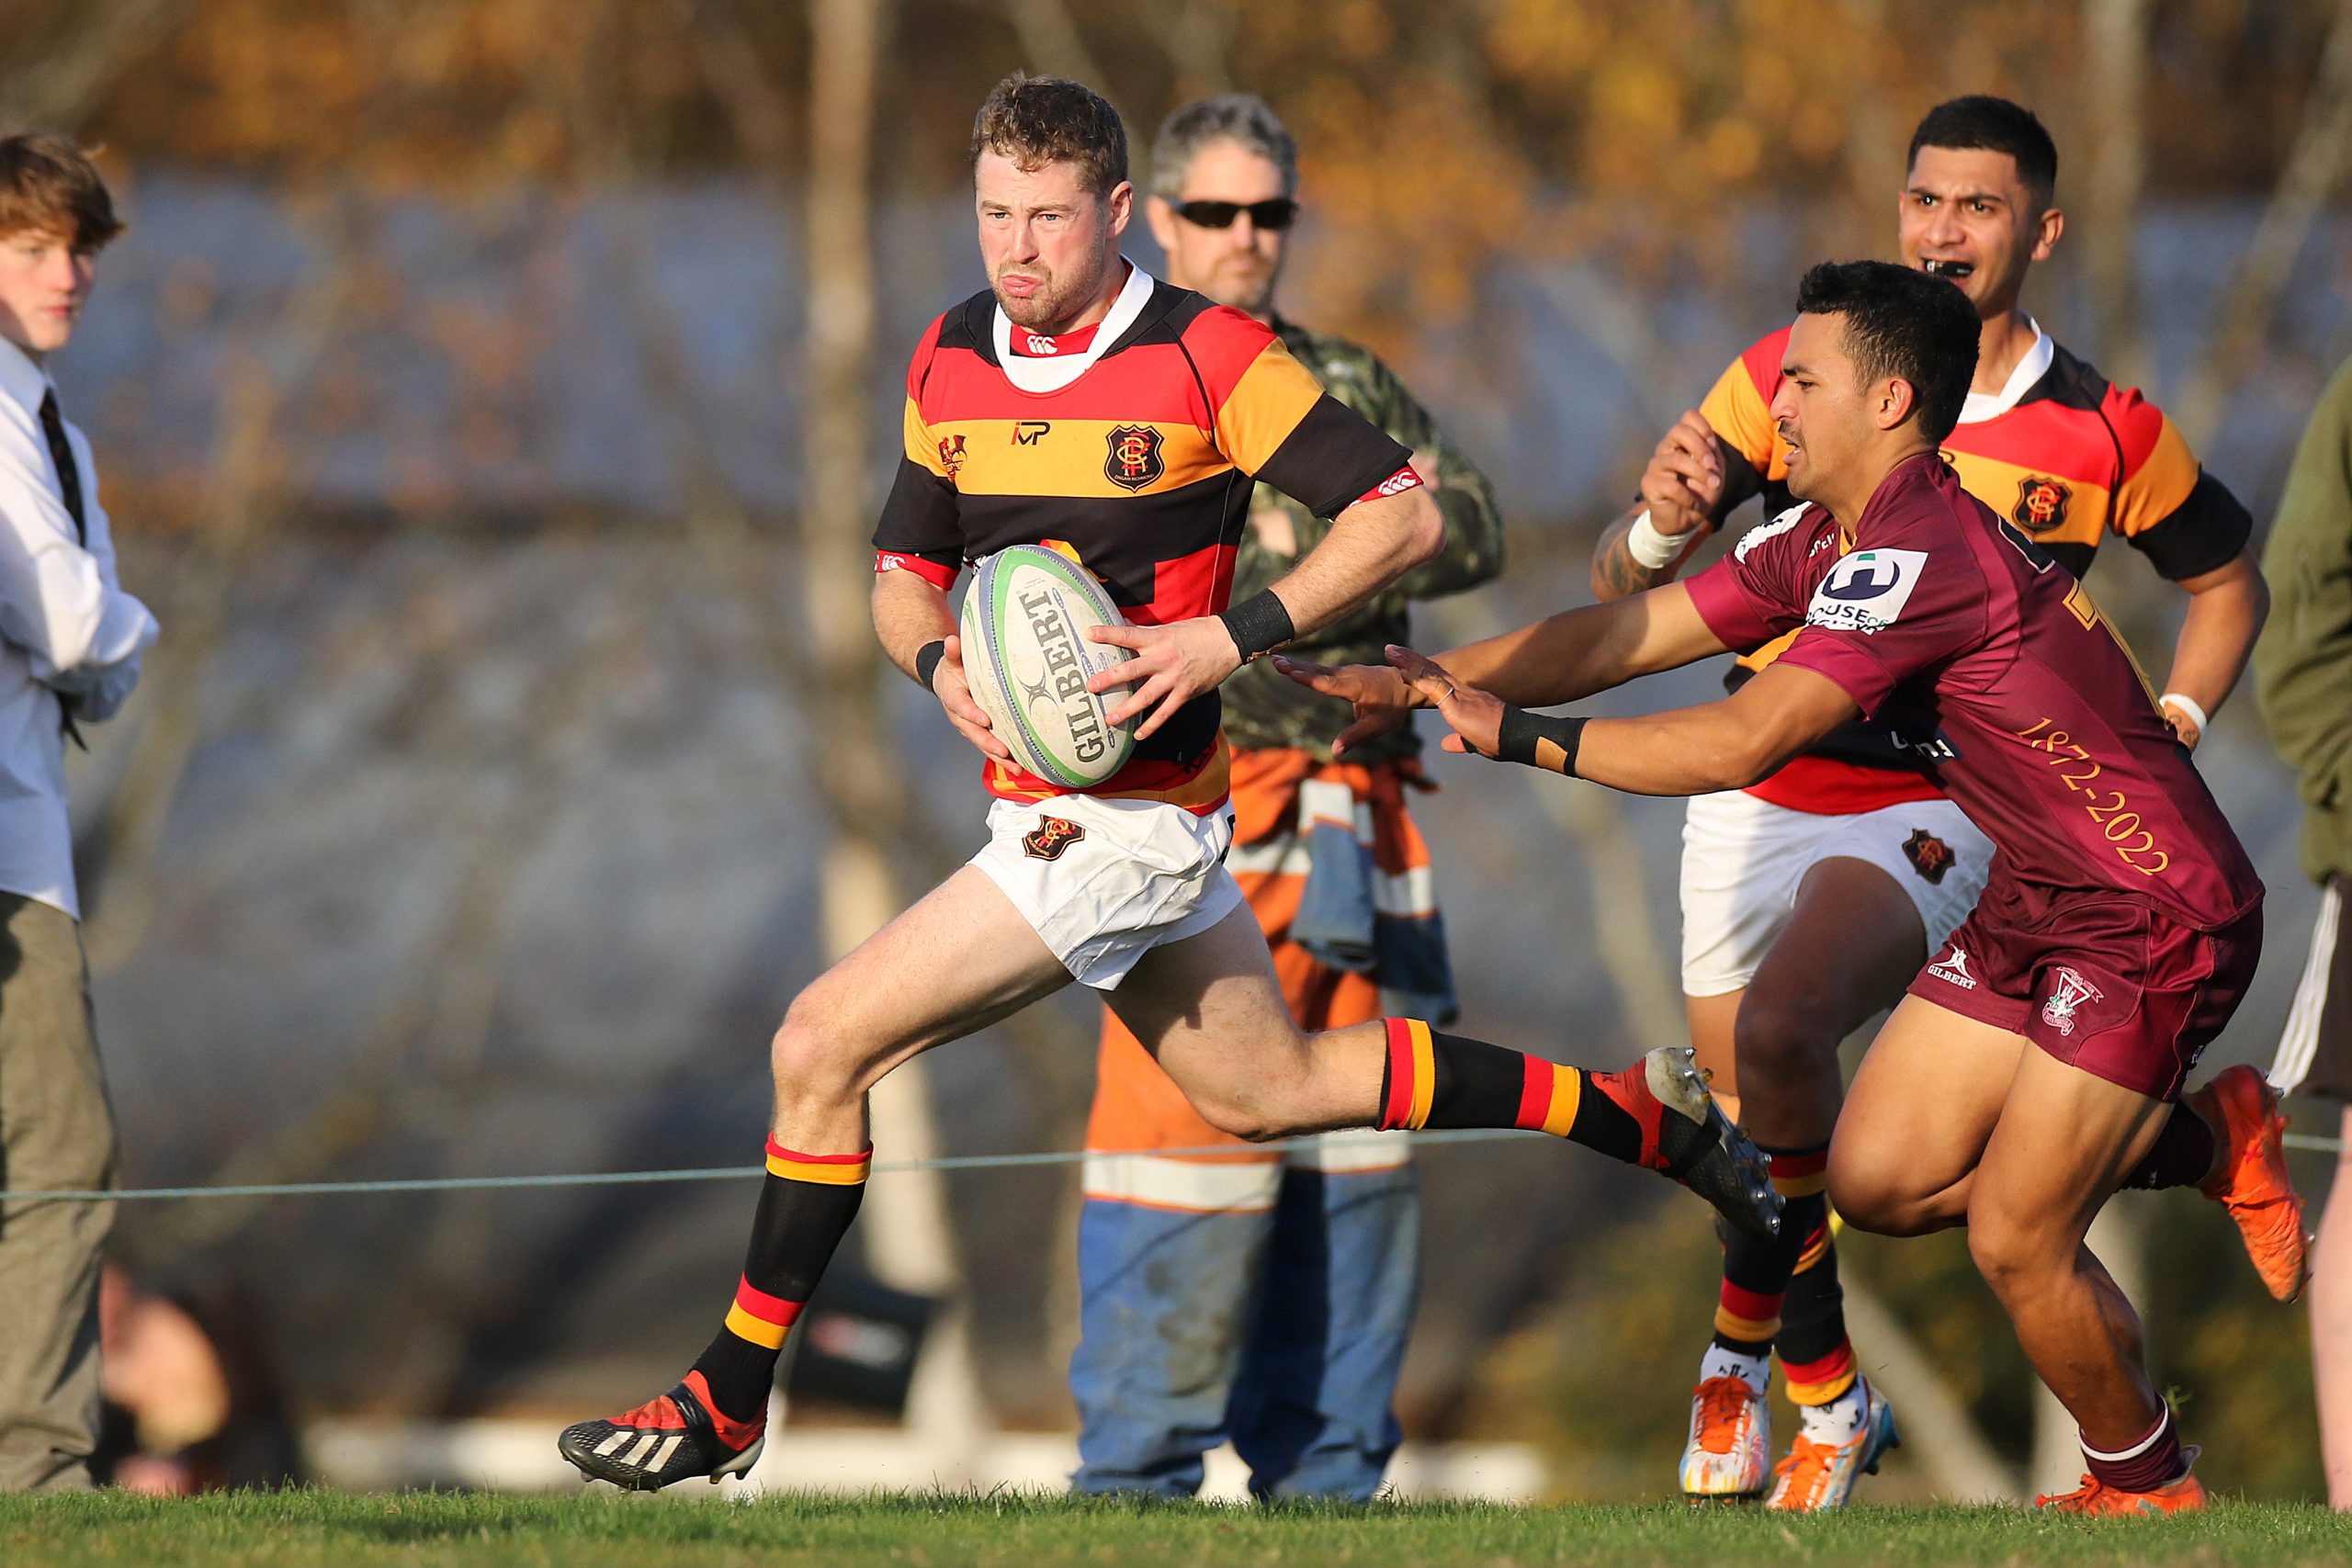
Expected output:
(1686, 1136)
(676, 1436)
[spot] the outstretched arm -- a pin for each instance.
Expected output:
(1727, 744)
(1558, 660)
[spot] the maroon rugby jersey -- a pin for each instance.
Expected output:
(1970, 647)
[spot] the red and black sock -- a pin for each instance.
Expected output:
(1752, 1309)
(2184, 1152)
(1444, 1080)
(1816, 1357)
(806, 1202)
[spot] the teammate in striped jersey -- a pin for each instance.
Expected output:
(1811, 898)
(1130, 436)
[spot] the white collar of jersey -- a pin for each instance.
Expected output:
(1053, 374)
(1982, 406)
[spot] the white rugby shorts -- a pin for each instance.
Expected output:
(1744, 858)
(1104, 882)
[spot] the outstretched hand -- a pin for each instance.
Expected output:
(1476, 717)
(1379, 695)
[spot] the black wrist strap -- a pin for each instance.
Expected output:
(1259, 624)
(1540, 741)
(927, 659)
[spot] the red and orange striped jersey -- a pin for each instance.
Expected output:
(2061, 451)
(1140, 467)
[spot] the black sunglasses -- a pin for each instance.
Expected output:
(1278, 214)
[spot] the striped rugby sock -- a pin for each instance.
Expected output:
(1816, 1357)
(806, 1202)
(1751, 1309)
(1444, 1080)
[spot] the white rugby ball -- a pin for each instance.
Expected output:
(1027, 658)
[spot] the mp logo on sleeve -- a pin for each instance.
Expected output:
(1866, 590)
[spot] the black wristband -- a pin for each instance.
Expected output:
(1259, 624)
(1539, 741)
(927, 659)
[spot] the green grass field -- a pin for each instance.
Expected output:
(601, 1529)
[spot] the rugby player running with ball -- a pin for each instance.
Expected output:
(2016, 1092)
(1126, 435)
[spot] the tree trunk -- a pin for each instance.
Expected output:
(906, 1231)
(2115, 37)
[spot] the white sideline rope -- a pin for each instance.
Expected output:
(736, 1172)
(712, 1173)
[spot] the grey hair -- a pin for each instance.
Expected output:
(1243, 119)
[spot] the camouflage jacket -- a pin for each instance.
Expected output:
(1262, 706)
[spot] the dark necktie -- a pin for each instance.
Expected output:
(69, 477)
(69, 485)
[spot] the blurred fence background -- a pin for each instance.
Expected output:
(491, 396)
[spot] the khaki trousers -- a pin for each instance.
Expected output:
(56, 1132)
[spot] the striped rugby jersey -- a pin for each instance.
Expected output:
(1136, 459)
(2061, 451)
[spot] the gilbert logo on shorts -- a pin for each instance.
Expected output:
(1865, 591)
(1050, 837)
(1954, 969)
(2072, 992)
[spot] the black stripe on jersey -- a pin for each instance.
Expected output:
(1332, 459)
(919, 518)
(1124, 541)
(2071, 382)
(2075, 558)
(2203, 534)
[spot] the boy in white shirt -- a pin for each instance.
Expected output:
(69, 644)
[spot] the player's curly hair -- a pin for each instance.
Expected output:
(1035, 120)
(1902, 325)
(49, 185)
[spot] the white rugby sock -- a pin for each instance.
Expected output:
(1838, 1421)
(1753, 1371)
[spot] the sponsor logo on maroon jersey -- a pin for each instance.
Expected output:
(2073, 992)
(1135, 459)
(1929, 855)
(951, 454)
(2041, 503)
(1050, 837)
(1954, 969)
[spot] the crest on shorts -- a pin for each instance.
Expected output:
(2041, 503)
(1050, 837)
(1929, 855)
(2070, 992)
(1135, 459)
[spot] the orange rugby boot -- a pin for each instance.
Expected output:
(1728, 1455)
(2249, 1177)
(2186, 1495)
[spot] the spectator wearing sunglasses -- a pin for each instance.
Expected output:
(1256, 1296)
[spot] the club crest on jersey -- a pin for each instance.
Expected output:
(1954, 969)
(1135, 459)
(2073, 992)
(1050, 837)
(1929, 855)
(2041, 503)
(951, 454)
(1865, 591)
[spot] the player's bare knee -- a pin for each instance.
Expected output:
(1869, 1193)
(1780, 1039)
(2011, 1251)
(809, 1055)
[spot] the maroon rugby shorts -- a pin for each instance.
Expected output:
(2105, 981)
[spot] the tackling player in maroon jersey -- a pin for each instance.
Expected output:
(2037, 1067)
